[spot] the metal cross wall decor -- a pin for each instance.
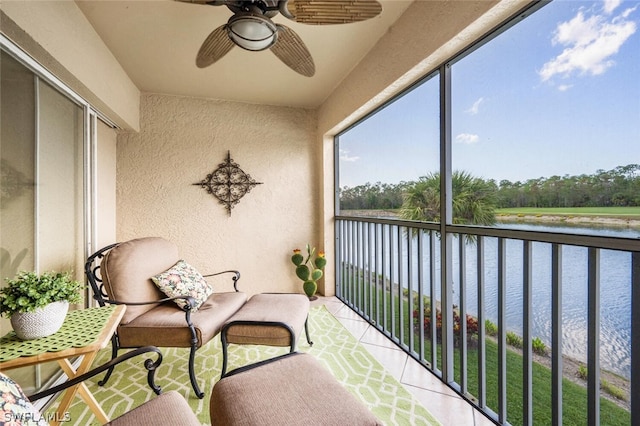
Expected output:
(228, 183)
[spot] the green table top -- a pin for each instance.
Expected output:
(81, 328)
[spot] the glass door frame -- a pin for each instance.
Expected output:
(91, 117)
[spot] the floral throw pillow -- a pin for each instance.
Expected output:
(183, 279)
(15, 407)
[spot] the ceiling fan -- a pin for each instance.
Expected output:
(251, 27)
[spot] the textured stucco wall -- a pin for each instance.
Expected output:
(182, 140)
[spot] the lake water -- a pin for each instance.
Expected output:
(615, 292)
(615, 296)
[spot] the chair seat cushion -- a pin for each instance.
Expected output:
(165, 325)
(261, 320)
(292, 390)
(170, 408)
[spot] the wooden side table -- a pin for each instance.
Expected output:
(84, 332)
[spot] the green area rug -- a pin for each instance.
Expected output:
(334, 346)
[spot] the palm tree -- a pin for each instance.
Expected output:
(474, 200)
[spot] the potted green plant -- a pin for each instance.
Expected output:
(37, 304)
(308, 269)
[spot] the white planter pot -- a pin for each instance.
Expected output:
(40, 323)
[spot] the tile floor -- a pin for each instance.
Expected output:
(441, 401)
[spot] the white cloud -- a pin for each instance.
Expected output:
(564, 87)
(590, 43)
(625, 14)
(467, 138)
(475, 107)
(611, 5)
(344, 156)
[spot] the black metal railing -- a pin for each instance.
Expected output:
(457, 298)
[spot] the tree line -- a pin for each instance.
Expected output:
(617, 187)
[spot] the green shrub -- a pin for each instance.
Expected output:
(490, 328)
(582, 372)
(607, 387)
(538, 346)
(613, 390)
(514, 340)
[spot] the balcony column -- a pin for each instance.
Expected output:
(446, 218)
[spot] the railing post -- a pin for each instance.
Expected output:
(420, 306)
(482, 370)
(339, 263)
(527, 359)
(462, 263)
(410, 284)
(556, 334)
(358, 270)
(593, 343)
(385, 273)
(635, 338)
(393, 262)
(502, 330)
(377, 265)
(400, 324)
(432, 302)
(370, 266)
(447, 308)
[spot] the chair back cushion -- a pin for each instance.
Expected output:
(127, 270)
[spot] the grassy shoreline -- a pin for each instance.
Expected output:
(611, 212)
(612, 411)
(628, 217)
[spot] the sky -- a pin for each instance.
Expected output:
(556, 94)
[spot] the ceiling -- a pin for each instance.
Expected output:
(156, 43)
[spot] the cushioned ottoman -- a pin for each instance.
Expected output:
(293, 389)
(270, 319)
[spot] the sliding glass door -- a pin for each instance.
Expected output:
(59, 183)
(17, 169)
(42, 150)
(57, 186)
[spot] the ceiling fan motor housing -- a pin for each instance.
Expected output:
(251, 27)
(252, 31)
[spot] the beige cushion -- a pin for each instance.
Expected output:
(290, 309)
(170, 408)
(293, 390)
(165, 326)
(127, 270)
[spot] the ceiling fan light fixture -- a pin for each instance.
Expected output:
(252, 32)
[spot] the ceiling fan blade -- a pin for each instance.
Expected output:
(322, 12)
(214, 47)
(291, 50)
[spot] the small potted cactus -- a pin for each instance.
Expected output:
(309, 269)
